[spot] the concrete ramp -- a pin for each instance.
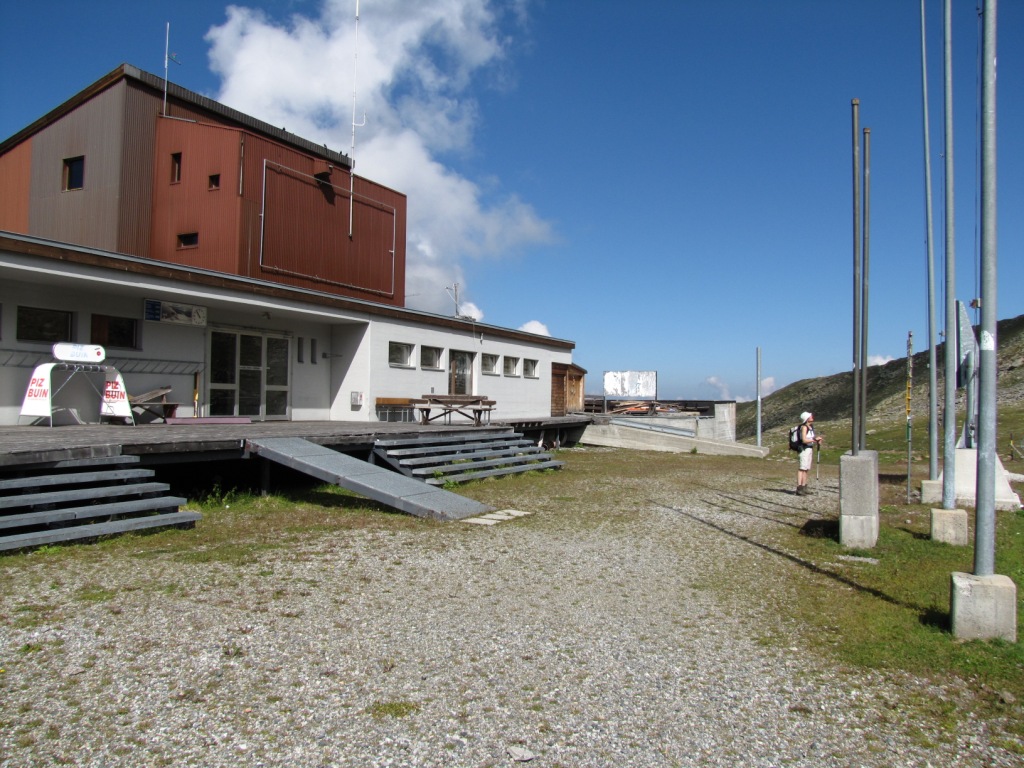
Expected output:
(398, 491)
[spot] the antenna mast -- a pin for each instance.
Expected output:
(167, 53)
(352, 151)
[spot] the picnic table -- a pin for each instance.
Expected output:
(476, 408)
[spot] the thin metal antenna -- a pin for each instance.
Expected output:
(168, 58)
(352, 150)
(454, 296)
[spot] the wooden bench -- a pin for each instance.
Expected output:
(395, 409)
(155, 404)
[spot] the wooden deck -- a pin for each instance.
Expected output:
(185, 442)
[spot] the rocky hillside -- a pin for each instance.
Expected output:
(829, 397)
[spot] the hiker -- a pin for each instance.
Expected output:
(807, 438)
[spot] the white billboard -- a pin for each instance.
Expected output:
(630, 383)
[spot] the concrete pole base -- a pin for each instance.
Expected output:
(983, 607)
(858, 500)
(931, 491)
(950, 526)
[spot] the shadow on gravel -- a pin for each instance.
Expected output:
(928, 616)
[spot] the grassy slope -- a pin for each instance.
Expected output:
(829, 397)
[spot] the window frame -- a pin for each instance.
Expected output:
(101, 336)
(400, 346)
(531, 368)
(67, 336)
(175, 167)
(438, 364)
(505, 366)
(494, 369)
(188, 240)
(73, 167)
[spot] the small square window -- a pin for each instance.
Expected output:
(111, 331)
(530, 369)
(188, 240)
(400, 354)
(511, 366)
(46, 325)
(430, 357)
(176, 168)
(74, 173)
(214, 181)
(489, 363)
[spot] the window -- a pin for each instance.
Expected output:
(299, 347)
(511, 366)
(74, 173)
(530, 369)
(46, 325)
(312, 351)
(214, 181)
(188, 240)
(110, 331)
(400, 354)
(489, 364)
(430, 357)
(176, 168)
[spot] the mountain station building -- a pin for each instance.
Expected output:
(238, 269)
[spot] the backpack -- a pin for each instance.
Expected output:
(795, 444)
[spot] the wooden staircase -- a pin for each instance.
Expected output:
(69, 499)
(458, 457)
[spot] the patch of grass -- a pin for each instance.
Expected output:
(398, 708)
(94, 593)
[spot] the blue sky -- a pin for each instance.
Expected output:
(668, 184)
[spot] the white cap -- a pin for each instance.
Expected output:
(805, 416)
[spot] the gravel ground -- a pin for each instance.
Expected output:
(626, 639)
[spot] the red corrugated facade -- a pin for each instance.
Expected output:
(207, 187)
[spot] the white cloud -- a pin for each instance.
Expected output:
(415, 65)
(719, 386)
(535, 326)
(879, 359)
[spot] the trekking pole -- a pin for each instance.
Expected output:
(817, 465)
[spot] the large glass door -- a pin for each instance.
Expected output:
(460, 373)
(248, 374)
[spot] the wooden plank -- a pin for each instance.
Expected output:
(488, 453)
(493, 473)
(61, 497)
(89, 511)
(428, 450)
(74, 478)
(524, 462)
(53, 536)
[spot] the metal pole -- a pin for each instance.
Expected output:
(984, 534)
(910, 422)
(855, 436)
(950, 346)
(758, 397)
(863, 427)
(933, 412)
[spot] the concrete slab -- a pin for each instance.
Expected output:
(950, 526)
(983, 607)
(398, 491)
(966, 472)
(858, 500)
(644, 439)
